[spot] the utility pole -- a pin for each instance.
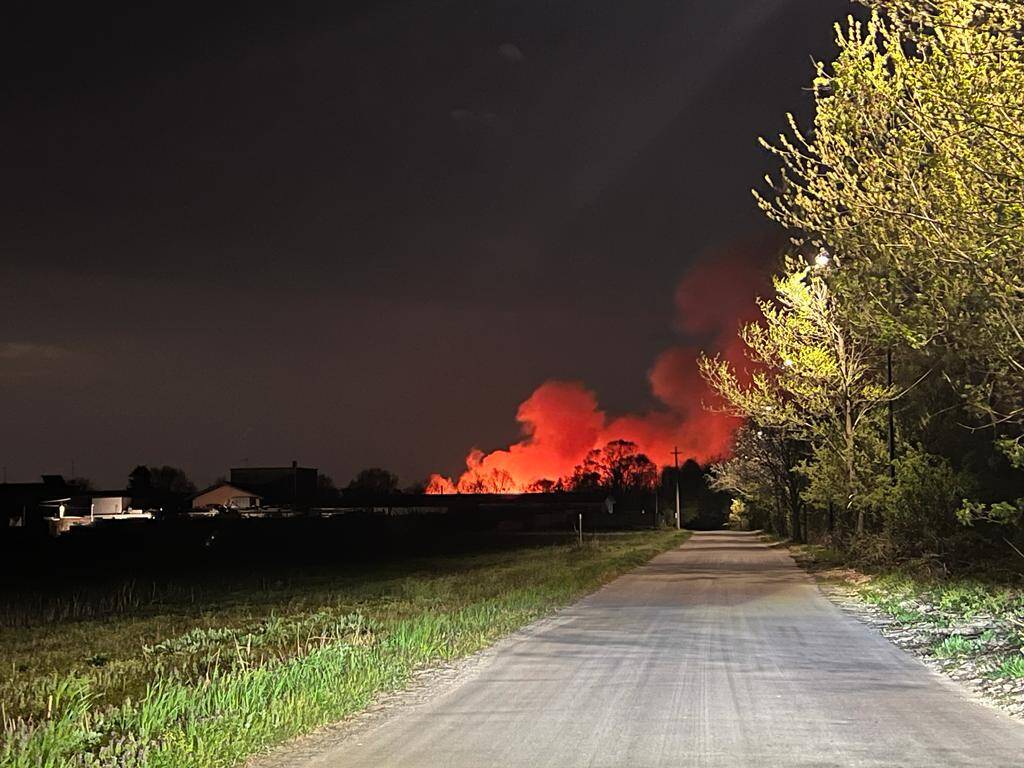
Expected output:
(679, 517)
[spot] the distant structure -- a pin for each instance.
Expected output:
(227, 496)
(292, 486)
(91, 504)
(21, 503)
(56, 505)
(86, 507)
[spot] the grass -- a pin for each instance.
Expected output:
(946, 604)
(952, 599)
(955, 646)
(942, 604)
(223, 677)
(1012, 667)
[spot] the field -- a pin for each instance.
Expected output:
(207, 672)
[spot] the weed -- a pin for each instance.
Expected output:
(1011, 666)
(955, 645)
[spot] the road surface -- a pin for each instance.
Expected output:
(720, 653)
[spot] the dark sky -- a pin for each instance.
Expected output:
(361, 233)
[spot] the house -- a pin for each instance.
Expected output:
(227, 496)
(21, 503)
(293, 486)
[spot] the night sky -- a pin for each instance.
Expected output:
(359, 234)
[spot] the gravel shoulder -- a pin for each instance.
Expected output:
(982, 650)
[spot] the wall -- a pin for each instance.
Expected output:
(110, 505)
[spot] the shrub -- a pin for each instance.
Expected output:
(739, 515)
(919, 514)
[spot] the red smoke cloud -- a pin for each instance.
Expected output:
(561, 421)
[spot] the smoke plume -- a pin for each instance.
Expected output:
(562, 420)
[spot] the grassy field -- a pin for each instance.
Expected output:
(208, 676)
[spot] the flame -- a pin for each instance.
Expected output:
(562, 420)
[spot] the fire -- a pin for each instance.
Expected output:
(562, 420)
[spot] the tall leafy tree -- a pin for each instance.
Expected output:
(814, 381)
(618, 467)
(374, 481)
(912, 177)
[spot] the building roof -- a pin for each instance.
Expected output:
(77, 493)
(226, 484)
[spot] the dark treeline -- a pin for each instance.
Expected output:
(618, 470)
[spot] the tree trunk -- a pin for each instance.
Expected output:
(794, 521)
(777, 518)
(848, 428)
(794, 507)
(851, 469)
(851, 478)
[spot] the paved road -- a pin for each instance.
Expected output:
(720, 653)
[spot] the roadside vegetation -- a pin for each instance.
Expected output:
(883, 386)
(968, 625)
(209, 674)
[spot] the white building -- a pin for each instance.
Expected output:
(89, 506)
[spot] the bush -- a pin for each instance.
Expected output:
(919, 514)
(739, 515)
